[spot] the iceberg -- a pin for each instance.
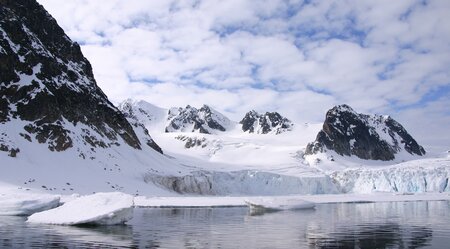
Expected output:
(26, 204)
(96, 209)
(278, 204)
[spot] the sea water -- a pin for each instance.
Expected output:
(419, 224)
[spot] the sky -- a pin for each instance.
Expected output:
(297, 57)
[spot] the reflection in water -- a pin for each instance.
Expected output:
(16, 233)
(374, 225)
(382, 225)
(390, 235)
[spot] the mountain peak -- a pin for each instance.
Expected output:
(373, 137)
(269, 122)
(204, 120)
(340, 109)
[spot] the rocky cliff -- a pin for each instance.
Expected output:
(47, 88)
(372, 137)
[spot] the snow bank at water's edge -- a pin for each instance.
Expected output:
(26, 204)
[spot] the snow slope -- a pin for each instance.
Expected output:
(233, 147)
(120, 169)
(229, 163)
(221, 163)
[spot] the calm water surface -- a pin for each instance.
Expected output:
(362, 225)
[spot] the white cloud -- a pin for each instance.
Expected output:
(297, 57)
(429, 123)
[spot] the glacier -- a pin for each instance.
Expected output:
(418, 176)
(244, 182)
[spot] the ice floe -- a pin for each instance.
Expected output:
(278, 203)
(96, 209)
(26, 204)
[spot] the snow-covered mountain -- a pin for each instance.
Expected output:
(59, 133)
(371, 137)
(270, 122)
(141, 114)
(142, 111)
(232, 145)
(49, 94)
(58, 130)
(204, 120)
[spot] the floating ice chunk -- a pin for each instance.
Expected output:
(97, 209)
(26, 204)
(278, 203)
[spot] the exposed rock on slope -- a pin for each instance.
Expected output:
(204, 120)
(48, 91)
(137, 113)
(143, 111)
(270, 122)
(373, 137)
(192, 142)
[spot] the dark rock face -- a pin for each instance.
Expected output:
(47, 83)
(270, 122)
(371, 137)
(204, 120)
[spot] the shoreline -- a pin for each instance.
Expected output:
(239, 201)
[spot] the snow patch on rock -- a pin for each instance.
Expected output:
(268, 123)
(204, 120)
